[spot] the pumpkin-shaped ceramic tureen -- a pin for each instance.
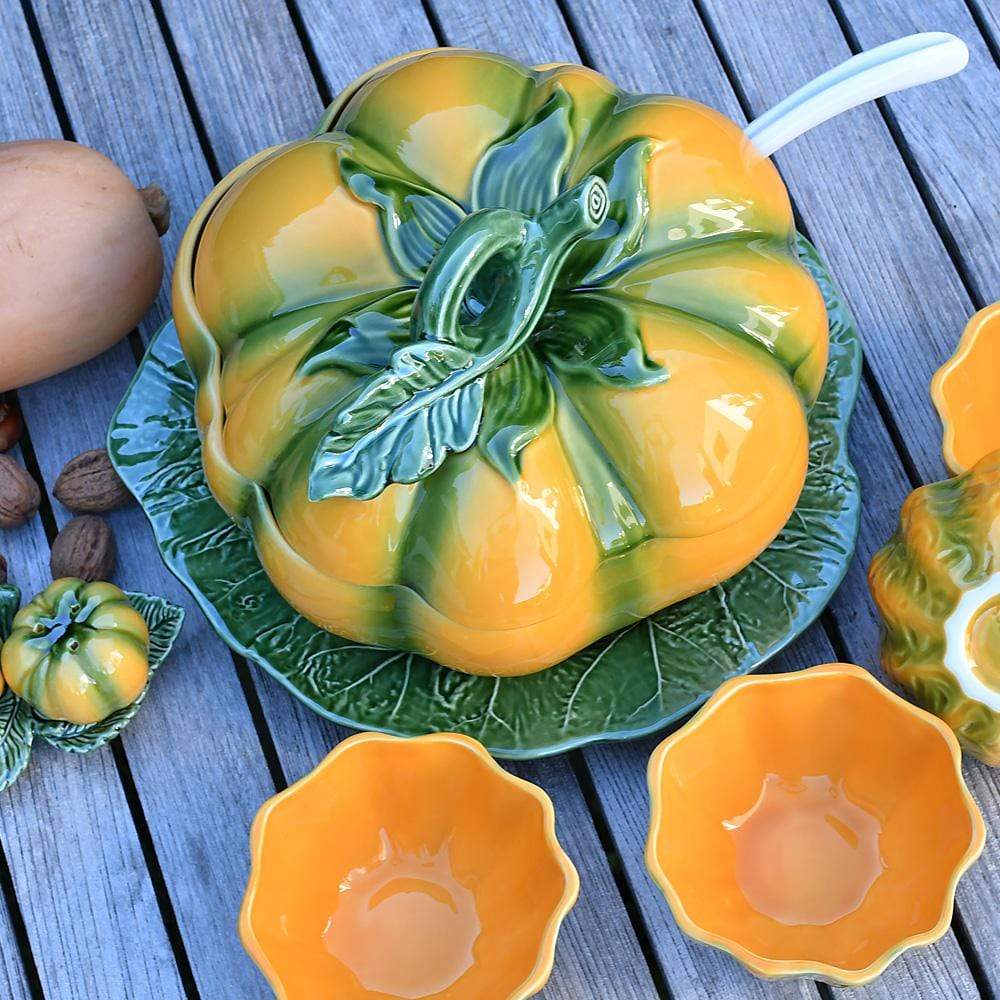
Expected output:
(937, 585)
(501, 359)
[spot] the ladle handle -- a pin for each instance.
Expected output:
(894, 66)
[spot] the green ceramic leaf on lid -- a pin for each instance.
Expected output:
(629, 684)
(427, 403)
(524, 172)
(595, 338)
(517, 408)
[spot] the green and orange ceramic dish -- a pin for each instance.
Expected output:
(387, 872)
(516, 410)
(937, 585)
(52, 685)
(811, 824)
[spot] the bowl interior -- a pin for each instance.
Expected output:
(812, 819)
(405, 869)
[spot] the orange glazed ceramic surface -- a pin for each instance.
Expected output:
(966, 392)
(407, 869)
(628, 420)
(811, 824)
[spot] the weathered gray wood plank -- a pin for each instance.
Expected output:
(352, 36)
(13, 980)
(89, 909)
(987, 14)
(194, 752)
(882, 474)
(283, 106)
(75, 859)
(954, 139)
(540, 38)
(598, 954)
(18, 547)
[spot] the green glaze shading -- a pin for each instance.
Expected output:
(618, 523)
(16, 730)
(19, 723)
(519, 405)
(626, 685)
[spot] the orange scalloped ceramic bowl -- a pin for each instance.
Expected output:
(964, 390)
(811, 824)
(406, 868)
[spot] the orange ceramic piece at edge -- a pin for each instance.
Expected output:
(862, 790)
(401, 868)
(965, 394)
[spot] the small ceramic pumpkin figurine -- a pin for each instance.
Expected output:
(77, 652)
(937, 585)
(501, 359)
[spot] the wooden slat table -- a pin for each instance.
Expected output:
(121, 873)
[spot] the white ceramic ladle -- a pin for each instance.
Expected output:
(897, 65)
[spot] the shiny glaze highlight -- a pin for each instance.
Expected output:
(397, 869)
(811, 824)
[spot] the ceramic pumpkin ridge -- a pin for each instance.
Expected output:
(77, 652)
(497, 504)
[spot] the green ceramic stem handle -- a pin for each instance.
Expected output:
(530, 251)
(480, 300)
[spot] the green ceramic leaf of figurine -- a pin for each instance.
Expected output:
(16, 732)
(164, 621)
(626, 685)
